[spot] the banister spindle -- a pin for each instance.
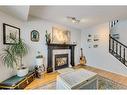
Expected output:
(113, 46)
(120, 50)
(109, 43)
(116, 48)
(124, 55)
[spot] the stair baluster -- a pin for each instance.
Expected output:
(113, 46)
(124, 55)
(119, 53)
(116, 48)
(109, 45)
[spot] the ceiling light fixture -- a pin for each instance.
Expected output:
(73, 19)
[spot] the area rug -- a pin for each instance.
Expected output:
(103, 83)
(65, 70)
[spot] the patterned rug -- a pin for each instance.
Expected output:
(103, 83)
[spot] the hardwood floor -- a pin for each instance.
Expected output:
(49, 77)
(112, 76)
(45, 79)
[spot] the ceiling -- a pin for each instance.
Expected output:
(20, 12)
(89, 15)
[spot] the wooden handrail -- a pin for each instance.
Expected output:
(117, 53)
(117, 41)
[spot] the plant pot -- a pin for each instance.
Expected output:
(48, 41)
(22, 72)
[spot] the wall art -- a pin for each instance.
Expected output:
(10, 32)
(60, 36)
(34, 36)
(92, 40)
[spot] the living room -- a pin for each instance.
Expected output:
(78, 31)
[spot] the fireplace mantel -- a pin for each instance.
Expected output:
(53, 46)
(60, 45)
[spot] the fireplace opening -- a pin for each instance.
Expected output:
(61, 61)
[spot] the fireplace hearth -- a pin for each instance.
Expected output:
(51, 47)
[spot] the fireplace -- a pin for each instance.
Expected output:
(69, 59)
(61, 61)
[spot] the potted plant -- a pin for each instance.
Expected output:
(48, 37)
(13, 55)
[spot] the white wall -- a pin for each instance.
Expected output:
(4, 71)
(121, 29)
(42, 26)
(97, 57)
(100, 57)
(26, 27)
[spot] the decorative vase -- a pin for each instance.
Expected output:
(49, 40)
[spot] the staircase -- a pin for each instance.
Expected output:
(118, 50)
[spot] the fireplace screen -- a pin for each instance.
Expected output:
(61, 61)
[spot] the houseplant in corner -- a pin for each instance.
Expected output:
(13, 55)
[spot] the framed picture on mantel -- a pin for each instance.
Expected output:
(60, 36)
(10, 32)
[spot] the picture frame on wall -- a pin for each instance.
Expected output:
(34, 36)
(89, 38)
(96, 38)
(10, 31)
(95, 46)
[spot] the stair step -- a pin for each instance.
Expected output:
(119, 57)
